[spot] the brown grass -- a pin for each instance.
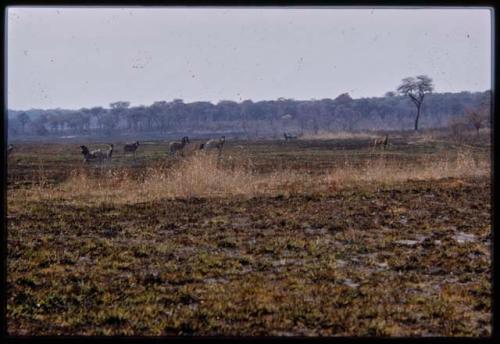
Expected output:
(204, 175)
(341, 135)
(461, 164)
(105, 250)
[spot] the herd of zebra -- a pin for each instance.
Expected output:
(290, 136)
(174, 148)
(177, 147)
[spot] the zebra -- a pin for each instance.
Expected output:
(219, 145)
(212, 143)
(381, 142)
(289, 137)
(131, 147)
(109, 152)
(10, 148)
(97, 155)
(87, 155)
(178, 146)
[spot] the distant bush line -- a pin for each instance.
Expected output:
(249, 119)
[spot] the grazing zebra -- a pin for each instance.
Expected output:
(131, 147)
(96, 155)
(174, 147)
(104, 154)
(109, 152)
(87, 155)
(10, 148)
(221, 143)
(212, 143)
(289, 136)
(381, 142)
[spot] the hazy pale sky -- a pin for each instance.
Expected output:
(81, 57)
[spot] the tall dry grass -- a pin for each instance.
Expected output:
(199, 175)
(340, 135)
(462, 163)
(205, 175)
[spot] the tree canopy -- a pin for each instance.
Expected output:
(416, 88)
(269, 118)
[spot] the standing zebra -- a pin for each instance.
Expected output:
(221, 143)
(87, 155)
(131, 147)
(174, 147)
(212, 143)
(381, 142)
(109, 152)
(10, 148)
(96, 155)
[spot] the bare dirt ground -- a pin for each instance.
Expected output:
(304, 238)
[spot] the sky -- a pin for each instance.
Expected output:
(69, 57)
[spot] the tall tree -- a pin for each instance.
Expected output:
(476, 118)
(485, 107)
(38, 125)
(343, 99)
(54, 122)
(97, 112)
(111, 119)
(23, 118)
(416, 89)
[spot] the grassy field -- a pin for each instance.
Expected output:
(312, 237)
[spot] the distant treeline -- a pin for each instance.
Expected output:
(248, 118)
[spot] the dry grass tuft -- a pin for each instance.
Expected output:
(341, 135)
(200, 175)
(205, 175)
(380, 169)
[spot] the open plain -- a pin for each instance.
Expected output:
(309, 237)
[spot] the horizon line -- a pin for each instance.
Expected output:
(231, 100)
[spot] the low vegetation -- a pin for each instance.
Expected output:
(305, 238)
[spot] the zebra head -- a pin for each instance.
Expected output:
(85, 150)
